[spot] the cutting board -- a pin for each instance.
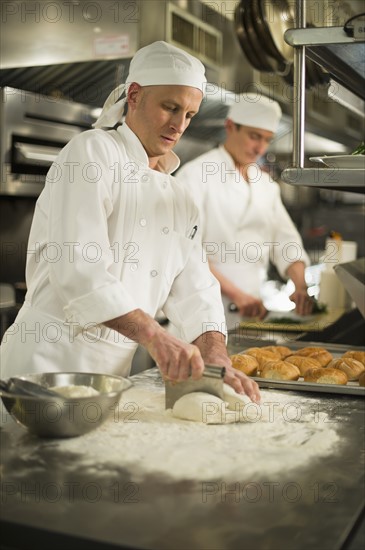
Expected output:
(309, 323)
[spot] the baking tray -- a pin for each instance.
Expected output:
(337, 350)
(349, 389)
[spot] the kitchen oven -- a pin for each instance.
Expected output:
(34, 128)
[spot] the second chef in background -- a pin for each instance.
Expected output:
(244, 222)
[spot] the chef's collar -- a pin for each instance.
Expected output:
(167, 163)
(231, 166)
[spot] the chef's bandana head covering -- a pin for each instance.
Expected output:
(255, 110)
(155, 65)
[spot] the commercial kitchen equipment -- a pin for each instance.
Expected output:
(34, 128)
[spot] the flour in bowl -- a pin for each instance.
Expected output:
(75, 391)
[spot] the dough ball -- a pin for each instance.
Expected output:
(326, 376)
(210, 409)
(349, 366)
(362, 379)
(245, 363)
(203, 407)
(280, 370)
(320, 354)
(282, 351)
(358, 355)
(303, 363)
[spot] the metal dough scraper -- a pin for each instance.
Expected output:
(211, 382)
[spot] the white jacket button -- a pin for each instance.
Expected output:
(133, 267)
(153, 273)
(143, 222)
(165, 230)
(145, 178)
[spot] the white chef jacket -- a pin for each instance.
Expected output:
(244, 225)
(109, 235)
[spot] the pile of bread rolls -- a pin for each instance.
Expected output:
(312, 364)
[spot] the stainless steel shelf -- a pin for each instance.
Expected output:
(342, 56)
(352, 180)
(316, 36)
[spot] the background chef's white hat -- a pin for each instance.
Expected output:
(256, 110)
(154, 65)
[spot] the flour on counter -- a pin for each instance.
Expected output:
(146, 439)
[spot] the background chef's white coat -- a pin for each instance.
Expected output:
(243, 225)
(109, 235)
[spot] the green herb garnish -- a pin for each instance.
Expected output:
(284, 321)
(360, 150)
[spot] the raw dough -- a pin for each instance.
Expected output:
(203, 407)
(209, 409)
(75, 391)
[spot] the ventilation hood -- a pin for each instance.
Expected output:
(80, 50)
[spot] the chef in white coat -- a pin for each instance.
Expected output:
(244, 222)
(112, 242)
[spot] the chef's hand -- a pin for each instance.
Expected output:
(214, 351)
(176, 360)
(303, 303)
(241, 383)
(249, 306)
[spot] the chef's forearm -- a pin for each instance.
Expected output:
(136, 325)
(296, 272)
(212, 346)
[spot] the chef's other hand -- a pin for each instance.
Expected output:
(241, 383)
(176, 360)
(249, 306)
(303, 303)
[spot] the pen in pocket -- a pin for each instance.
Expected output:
(193, 232)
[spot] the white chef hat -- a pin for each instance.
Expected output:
(156, 64)
(256, 110)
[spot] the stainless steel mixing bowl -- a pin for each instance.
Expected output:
(66, 417)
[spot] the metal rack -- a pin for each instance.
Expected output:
(342, 56)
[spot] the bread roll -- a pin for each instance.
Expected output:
(326, 376)
(280, 370)
(362, 379)
(262, 356)
(282, 351)
(303, 363)
(349, 366)
(245, 363)
(320, 354)
(358, 355)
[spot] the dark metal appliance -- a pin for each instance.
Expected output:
(34, 128)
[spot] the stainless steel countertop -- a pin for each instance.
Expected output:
(314, 507)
